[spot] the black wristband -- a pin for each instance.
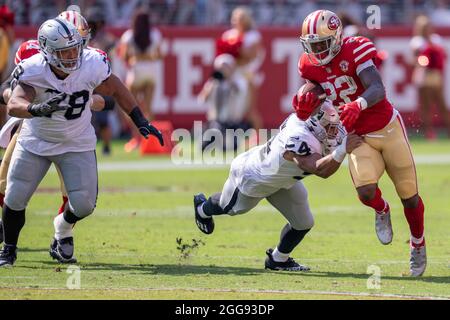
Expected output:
(109, 103)
(137, 117)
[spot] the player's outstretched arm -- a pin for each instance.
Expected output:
(326, 166)
(127, 102)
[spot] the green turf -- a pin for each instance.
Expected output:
(127, 249)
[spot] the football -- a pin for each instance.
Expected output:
(313, 87)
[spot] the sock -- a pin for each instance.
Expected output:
(211, 206)
(415, 218)
(201, 213)
(63, 229)
(377, 203)
(13, 221)
(290, 238)
(279, 256)
(63, 205)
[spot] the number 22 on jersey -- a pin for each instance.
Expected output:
(345, 86)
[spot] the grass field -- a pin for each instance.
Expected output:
(127, 249)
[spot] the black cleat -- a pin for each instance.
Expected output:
(62, 250)
(289, 265)
(206, 225)
(8, 256)
(1, 231)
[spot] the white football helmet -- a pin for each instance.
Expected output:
(75, 18)
(326, 125)
(61, 44)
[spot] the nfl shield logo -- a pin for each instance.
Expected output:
(344, 66)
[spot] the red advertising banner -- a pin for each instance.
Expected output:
(190, 52)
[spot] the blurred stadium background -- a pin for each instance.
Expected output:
(189, 31)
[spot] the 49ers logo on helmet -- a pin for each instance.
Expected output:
(334, 23)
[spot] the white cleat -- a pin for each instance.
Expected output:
(383, 226)
(418, 261)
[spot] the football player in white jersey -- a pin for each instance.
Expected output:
(53, 95)
(274, 171)
(10, 131)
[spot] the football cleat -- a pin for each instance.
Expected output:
(288, 265)
(206, 225)
(62, 250)
(1, 231)
(383, 226)
(8, 256)
(418, 261)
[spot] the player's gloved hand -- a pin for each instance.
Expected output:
(145, 128)
(349, 114)
(47, 107)
(305, 105)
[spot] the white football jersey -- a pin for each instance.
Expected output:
(262, 170)
(69, 130)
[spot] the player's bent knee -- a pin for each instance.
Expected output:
(304, 222)
(81, 203)
(15, 203)
(367, 193)
(406, 190)
(15, 200)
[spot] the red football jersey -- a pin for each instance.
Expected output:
(27, 49)
(341, 82)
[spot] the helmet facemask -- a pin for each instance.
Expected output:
(325, 124)
(320, 51)
(68, 59)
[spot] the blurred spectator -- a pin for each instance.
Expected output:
(41, 10)
(6, 40)
(225, 94)
(103, 40)
(140, 47)
(249, 56)
(216, 12)
(186, 12)
(302, 10)
(353, 9)
(428, 75)
(440, 15)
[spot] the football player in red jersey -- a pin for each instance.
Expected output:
(345, 69)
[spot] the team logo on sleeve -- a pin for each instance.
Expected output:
(344, 65)
(334, 23)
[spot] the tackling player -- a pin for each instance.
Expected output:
(274, 171)
(53, 95)
(344, 67)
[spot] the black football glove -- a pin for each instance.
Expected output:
(46, 108)
(145, 128)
